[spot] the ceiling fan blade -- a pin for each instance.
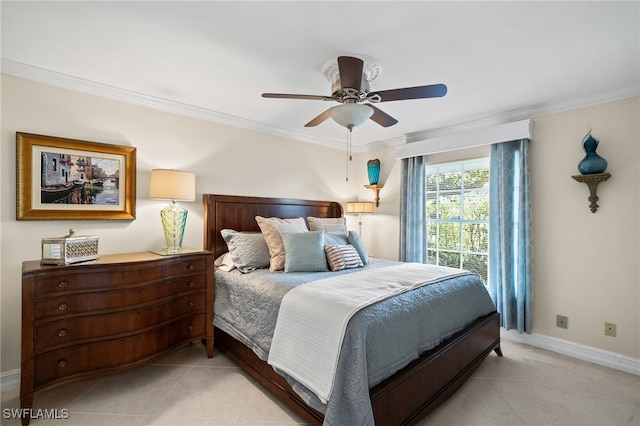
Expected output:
(319, 119)
(294, 96)
(418, 92)
(381, 117)
(350, 72)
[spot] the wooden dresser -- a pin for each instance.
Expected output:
(116, 312)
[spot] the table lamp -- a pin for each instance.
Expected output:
(174, 185)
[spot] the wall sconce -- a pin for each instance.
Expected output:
(592, 169)
(174, 185)
(592, 182)
(373, 171)
(359, 207)
(376, 190)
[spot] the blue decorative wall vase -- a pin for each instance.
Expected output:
(373, 167)
(592, 163)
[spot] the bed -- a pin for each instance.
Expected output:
(402, 398)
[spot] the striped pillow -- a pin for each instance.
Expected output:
(342, 257)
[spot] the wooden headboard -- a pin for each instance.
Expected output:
(239, 213)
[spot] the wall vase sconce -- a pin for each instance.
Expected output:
(373, 171)
(592, 182)
(592, 169)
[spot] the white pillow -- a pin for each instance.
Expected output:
(328, 224)
(224, 263)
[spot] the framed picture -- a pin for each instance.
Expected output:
(67, 179)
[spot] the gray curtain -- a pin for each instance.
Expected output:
(413, 233)
(510, 282)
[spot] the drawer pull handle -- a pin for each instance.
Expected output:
(62, 362)
(190, 304)
(62, 306)
(62, 284)
(62, 332)
(190, 327)
(191, 267)
(191, 284)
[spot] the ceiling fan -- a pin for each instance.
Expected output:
(350, 79)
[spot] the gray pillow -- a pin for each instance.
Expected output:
(248, 250)
(356, 242)
(304, 252)
(333, 239)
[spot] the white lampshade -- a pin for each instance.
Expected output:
(350, 115)
(359, 207)
(167, 184)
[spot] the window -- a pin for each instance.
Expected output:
(458, 215)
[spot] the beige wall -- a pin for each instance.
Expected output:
(585, 264)
(226, 160)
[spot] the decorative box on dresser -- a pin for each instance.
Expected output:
(115, 312)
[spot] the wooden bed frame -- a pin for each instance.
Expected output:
(403, 398)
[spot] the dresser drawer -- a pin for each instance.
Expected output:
(116, 300)
(116, 312)
(98, 327)
(95, 277)
(109, 355)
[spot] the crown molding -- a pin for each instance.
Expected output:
(65, 81)
(41, 75)
(497, 118)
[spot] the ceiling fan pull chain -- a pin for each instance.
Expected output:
(348, 152)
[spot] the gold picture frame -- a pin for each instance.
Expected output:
(68, 179)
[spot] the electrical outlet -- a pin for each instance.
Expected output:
(609, 329)
(562, 321)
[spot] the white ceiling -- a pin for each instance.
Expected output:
(501, 61)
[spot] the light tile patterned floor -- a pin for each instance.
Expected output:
(527, 386)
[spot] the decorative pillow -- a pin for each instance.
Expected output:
(356, 242)
(342, 257)
(337, 225)
(224, 262)
(333, 239)
(248, 250)
(271, 228)
(304, 252)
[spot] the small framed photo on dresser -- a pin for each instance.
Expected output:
(68, 179)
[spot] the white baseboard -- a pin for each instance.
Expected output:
(576, 350)
(9, 381)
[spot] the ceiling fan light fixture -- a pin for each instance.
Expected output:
(350, 115)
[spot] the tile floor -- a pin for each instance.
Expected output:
(528, 386)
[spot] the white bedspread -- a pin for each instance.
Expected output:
(313, 318)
